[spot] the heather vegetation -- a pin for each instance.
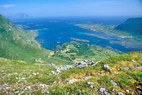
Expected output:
(23, 78)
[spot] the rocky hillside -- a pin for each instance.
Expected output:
(119, 75)
(133, 25)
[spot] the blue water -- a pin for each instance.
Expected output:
(56, 31)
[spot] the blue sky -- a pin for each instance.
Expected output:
(44, 8)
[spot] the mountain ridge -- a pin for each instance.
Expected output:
(133, 25)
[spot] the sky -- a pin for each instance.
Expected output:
(47, 8)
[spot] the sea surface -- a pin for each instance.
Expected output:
(56, 31)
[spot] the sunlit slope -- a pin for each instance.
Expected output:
(19, 44)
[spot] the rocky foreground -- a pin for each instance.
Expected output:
(121, 75)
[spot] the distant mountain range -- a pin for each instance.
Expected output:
(20, 16)
(133, 25)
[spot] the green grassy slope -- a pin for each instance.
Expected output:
(19, 44)
(18, 77)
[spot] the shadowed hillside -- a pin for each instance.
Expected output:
(133, 25)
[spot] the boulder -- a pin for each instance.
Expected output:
(47, 92)
(81, 64)
(113, 90)
(53, 72)
(89, 62)
(107, 68)
(140, 67)
(102, 90)
(119, 93)
(63, 68)
(139, 91)
(85, 63)
(106, 93)
(59, 69)
(90, 83)
(52, 65)
(67, 67)
(92, 86)
(43, 86)
(127, 91)
(28, 88)
(72, 81)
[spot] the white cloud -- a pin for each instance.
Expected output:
(7, 6)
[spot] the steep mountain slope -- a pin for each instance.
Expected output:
(19, 44)
(133, 25)
(123, 77)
